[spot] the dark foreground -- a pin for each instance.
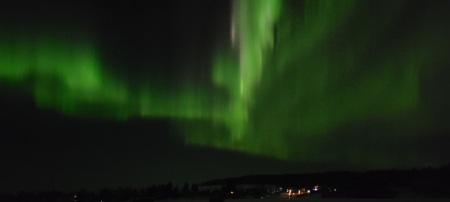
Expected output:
(391, 185)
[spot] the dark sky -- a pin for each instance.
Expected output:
(374, 104)
(41, 149)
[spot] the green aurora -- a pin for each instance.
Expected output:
(314, 80)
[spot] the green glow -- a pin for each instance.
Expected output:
(290, 92)
(68, 75)
(296, 76)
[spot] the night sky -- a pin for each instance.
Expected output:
(124, 93)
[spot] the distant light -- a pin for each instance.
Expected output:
(309, 191)
(232, 192)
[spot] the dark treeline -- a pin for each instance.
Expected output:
(427, 182)
(432, 182)
(151, 193)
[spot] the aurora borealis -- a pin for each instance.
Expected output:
(356, 83)
(324, 69)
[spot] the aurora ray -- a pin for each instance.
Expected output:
(297, 72)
